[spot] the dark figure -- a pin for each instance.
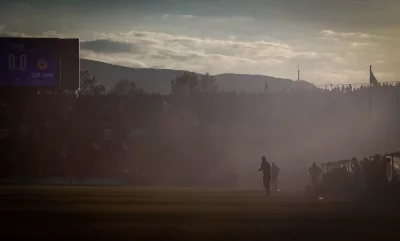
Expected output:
(357, 170)
(274, 177)
(365, 164)
(355, 166)
(315, 173)
(377, 173)
(372, 173)
(382, 172)
(266, 169)
(357, 175)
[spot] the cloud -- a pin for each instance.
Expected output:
(349, 35)
(208, 19)
(361, 44)
(183, 17)
(355, 40)
(328, 33)
(51, 34)
(46, 34)
(256, 37)
(109, 46)
(347, 58)
(192, 53)
(14, 34)
(211, 26)
(118, 59)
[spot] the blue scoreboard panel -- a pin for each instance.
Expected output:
(29, 62)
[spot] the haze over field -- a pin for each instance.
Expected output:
(189, 120)
(242, 44)
(334, 41)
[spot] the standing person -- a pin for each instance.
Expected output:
(315, 173)
(274, 177)
(266, 169)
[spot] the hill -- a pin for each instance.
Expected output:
(159, 80)
(255, 83)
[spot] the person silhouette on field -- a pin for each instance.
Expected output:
(266, 169)
(274, 177)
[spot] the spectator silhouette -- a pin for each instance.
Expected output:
(315, 173)
(357, 171)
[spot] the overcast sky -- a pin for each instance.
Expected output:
(334, 41)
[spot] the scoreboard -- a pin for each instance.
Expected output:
(39, 63)
(29, 62)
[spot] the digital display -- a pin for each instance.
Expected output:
(29, 62)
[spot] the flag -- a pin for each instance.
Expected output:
(372, 80)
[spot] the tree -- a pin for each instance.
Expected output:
(125, 87)
(99, 90)
(89, 85)
(208, 83)
(185, 83)
(191, 82)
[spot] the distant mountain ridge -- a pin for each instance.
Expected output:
(159, 80)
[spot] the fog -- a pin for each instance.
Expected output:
(222, 137)
(202, 140)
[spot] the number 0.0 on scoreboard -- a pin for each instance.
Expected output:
(29, 62)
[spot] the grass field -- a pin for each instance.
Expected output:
(102, 213)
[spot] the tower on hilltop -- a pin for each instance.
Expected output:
(298, 72)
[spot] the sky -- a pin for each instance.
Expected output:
(334, 41)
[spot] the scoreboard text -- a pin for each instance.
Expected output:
(29, 62)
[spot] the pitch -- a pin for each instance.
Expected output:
(122, 213)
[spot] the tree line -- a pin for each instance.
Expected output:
(183, 84)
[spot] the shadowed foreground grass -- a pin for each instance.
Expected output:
(81, 213)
